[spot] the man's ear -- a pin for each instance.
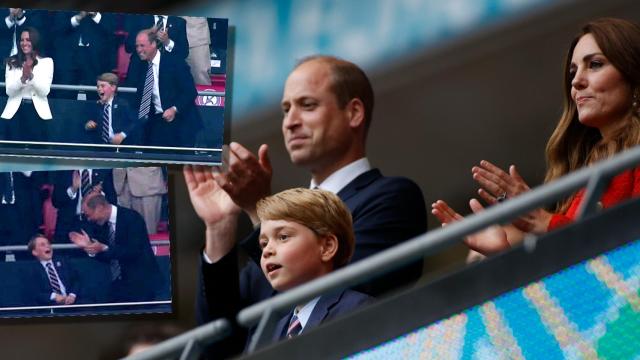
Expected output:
(328, 247)
(355, 111)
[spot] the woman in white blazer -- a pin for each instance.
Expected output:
(28, 81)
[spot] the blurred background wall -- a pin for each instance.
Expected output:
(456, 81)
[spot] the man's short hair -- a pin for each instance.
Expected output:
(321, 211)
(108, 77)
(32, 241)
(348, 82)
(93, 201)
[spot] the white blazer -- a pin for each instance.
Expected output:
(37, 88)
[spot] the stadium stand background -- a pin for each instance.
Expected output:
(493, 92)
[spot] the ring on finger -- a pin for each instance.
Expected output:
(502, 197)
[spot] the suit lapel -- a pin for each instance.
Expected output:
(114, 115)
(161, 78)
(60, 271)
(170, 24)
(363, 180)
(322, 309)
(44, 277)
(281, 327)
(120, 224)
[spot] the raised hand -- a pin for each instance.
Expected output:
(81, 239)
(488, 241)
(76, 180)
(210, 201)
(214, 206)
(247, 179)
(497, 185)
(163, 36)
(27, 70)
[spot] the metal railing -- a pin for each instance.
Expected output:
(68, 246)
(120, 89)
(189, 344)
(267, 312)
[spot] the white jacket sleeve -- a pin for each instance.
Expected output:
(13, 85)
(42, 76)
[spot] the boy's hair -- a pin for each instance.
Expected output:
(321, 211)
(32, 241)
(108, 77)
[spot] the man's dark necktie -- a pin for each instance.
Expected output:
(295, 327)
(147, 92)
(85, 183)
(104, 128)
(6, 186)
(116, 271)
(53, 279)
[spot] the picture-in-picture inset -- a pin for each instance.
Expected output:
(96, 85)
(84, 242)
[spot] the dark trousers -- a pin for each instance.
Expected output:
(159, 132)
(26, 124)
(122, 291)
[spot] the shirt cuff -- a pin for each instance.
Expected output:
(206, 258)
(71, 193)
(74, 21)
(20, 22)
(169, 47)
(8, 22)
(97, 18)
(52, 297)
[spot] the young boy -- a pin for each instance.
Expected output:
(115, 122)
(52, 281)
(304, 234)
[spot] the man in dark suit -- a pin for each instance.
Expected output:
(114, 122)
(20, 206)
(165, 97)
(69, 188)
(52, 281)
(122, 242)
(327, 105)
(172, 35)
(84, 46)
